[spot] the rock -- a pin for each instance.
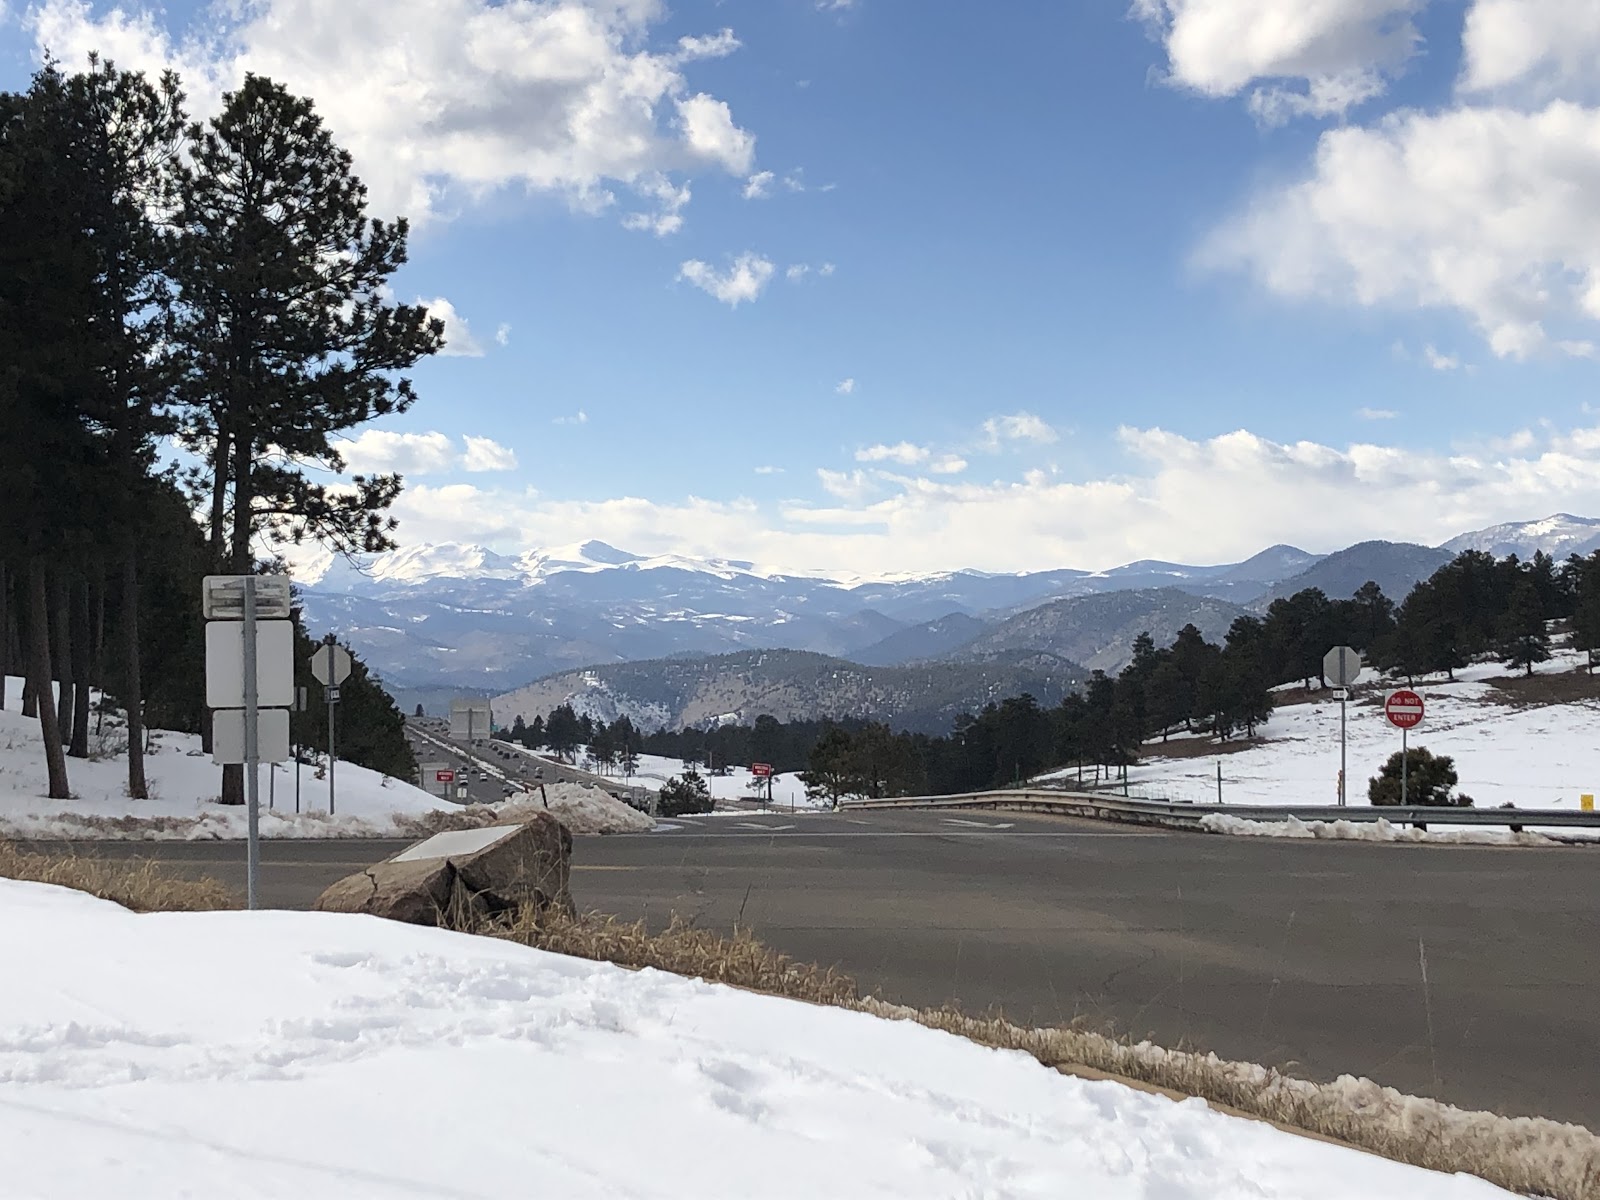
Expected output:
(482, 872)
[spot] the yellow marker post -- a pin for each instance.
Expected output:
(1586, 802)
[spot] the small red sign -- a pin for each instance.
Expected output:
(761, 768)
(1404, 709)
(444, 776)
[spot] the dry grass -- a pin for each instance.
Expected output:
(1531, 1156)
(136, 883)
(682, 948)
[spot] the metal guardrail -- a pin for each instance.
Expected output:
(1177, 813)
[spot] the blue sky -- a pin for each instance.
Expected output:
(1009, 286)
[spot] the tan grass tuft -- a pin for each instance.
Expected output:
(138, 883)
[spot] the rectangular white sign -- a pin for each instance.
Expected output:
(225, 664)
(222, 597)
(272, 735)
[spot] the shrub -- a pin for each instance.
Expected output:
(685, 794)
(1428, 781)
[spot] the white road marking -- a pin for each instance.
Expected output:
(978, 824)
(763, 828)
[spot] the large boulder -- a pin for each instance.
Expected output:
(465, 873)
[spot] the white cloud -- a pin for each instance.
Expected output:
(834, 5)
(798, 271)
(1376, 414)
(1488, 212)
(1017, 427)
(1312, 57)
(670, 200)
(443, 100)
(458, 339)
(379, 451)
(948, 464)
(1438, 361)
(1218, 499)
(845, 387)
(578, 418)
(1541, 48)
(850, 486)
(758, 186)
(769, 470)
(744, 280)
(904, 453)
(502, 335)
(486, 454)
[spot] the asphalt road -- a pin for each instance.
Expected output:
(1469, 973)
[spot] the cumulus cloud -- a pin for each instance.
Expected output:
(744, 279)
(578, 418)
(670, 201)
(502, 335)
(1309, 58)
(442, 100)
(486, 454)
(758, 186)
(1017, 427)
(1439, 361)
(948, 464)
(458, 339)
(1215, 499)
(382, 451)
(1541, 48)
(845, 387)
(904, 453)
(798, 271)
(1488, 212)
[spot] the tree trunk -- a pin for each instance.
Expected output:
(30, 692)
(82, 655)
(132, 685)
(97, 650)
(241, 562)
(61, 627)
(39, 672)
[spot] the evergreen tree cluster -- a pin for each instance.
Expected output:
(216, 285)
(608, 748)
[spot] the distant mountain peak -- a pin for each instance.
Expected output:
(1558, 535)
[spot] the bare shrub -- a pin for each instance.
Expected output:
(138, 883)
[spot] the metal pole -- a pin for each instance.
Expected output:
(332, 757)
(252, 751)
(1341, 749)
(1219, 781)
(272, 787)
(1403, 766)
(297, 779)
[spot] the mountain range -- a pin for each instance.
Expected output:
(441, 619)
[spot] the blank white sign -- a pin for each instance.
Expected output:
(227, 735)
(225, 664)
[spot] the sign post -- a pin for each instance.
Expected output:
(1341, 667)
(1404, 710)
(249, 686)
(330, 666)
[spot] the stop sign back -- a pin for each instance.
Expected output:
(1403, 708)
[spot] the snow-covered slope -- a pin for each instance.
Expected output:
(1533, 755)
(321, 1055)
(1558, 536)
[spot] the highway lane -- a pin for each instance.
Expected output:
(1302, 954)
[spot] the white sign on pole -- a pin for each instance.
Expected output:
(222, 597)
(330, 670)
(225, 664)
(1341, 666)
(470, 720)
(272, 735)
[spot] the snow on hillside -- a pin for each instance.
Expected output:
(184, 783)
(788, 789)
(1533, 756)
(320, 1054)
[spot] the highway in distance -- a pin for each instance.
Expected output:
(1310, 955)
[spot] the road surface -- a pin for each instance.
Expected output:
(1301, 954)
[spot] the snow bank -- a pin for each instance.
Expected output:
(582, 809)
(322, 1054)
(1369, 831)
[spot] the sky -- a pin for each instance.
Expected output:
(900, 285)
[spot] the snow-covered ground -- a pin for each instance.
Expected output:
(184, 783)
(1543, 756)
(788, 789)
(318, 1054)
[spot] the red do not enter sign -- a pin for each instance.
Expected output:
(1403, 708)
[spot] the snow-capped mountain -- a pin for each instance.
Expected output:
(450, 616)
(1558, 536)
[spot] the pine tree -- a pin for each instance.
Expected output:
(1523, 638)
(284, 335)
(1585, 587)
